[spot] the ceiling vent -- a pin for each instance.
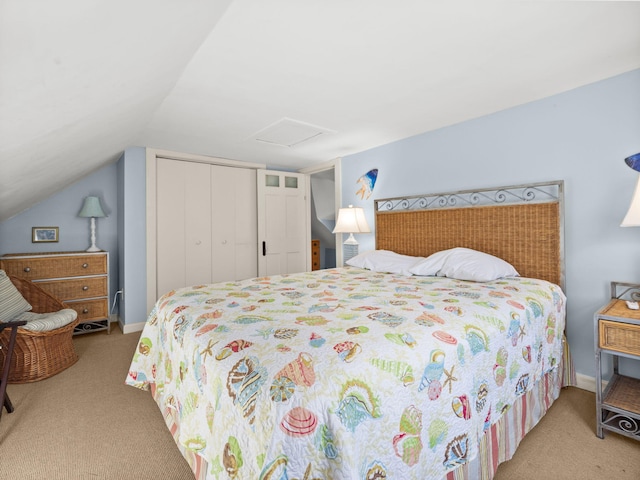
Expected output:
(288, 133)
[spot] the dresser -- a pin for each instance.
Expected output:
(617, 334)
(79, 279)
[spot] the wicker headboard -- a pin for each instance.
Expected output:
(521, 224)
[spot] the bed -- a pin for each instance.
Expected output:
(376, 372)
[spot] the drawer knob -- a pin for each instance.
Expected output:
(27, 269)
(85, 265)
(86, 310)
(85, 288)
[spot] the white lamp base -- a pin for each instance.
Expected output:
(93, 247)
(350, 248)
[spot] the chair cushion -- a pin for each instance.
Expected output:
(44, 322)
(12, 303)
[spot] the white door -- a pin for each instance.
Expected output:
(283, 223)
(234, 227)
(183, 224)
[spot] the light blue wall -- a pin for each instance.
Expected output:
(581, 137)
(132, 235)
(61, 210)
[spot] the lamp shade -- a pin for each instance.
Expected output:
(351, 220)
(91, 208)
(632, 218)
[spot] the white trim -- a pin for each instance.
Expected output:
(126, 328)
(336, 165)
(190, 157)
(586, 382)
(307, 208)
(132, 327)
(321, 167)
(151, 218)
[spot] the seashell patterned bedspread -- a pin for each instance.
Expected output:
(345, 373)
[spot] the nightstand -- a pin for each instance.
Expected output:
(617, 334)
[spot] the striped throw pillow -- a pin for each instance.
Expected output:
(12, 303)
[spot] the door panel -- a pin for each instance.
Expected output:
(183, 224)
(234, 231)
(197, 217)
(170, 202)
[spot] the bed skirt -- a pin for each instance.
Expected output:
(498, 444)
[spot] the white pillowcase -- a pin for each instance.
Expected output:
(431, 265)
(464, 264)
(384, 261)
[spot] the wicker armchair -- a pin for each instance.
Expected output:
(39, 355)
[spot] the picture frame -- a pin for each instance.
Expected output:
(44, 234)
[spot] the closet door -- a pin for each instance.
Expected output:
(234, 226)
(183, 224)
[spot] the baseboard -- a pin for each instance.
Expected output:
(586, 382)
(126, 328)
(132, 327)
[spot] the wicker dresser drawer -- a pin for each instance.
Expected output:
(79, 279)
(77, 288)
(39, 267)
(619, 337)
(89, 310)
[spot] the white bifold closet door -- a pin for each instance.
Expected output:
(206, 224)
(234, 229)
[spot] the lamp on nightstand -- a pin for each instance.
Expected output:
(632, 218)
(351, 220)
(92, 209)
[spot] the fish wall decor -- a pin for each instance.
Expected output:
(367, 182)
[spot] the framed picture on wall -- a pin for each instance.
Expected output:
(44, 234)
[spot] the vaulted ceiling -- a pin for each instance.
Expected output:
(289, 83)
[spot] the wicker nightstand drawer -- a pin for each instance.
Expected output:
(88, 287)
(36, 268)
(89, 310)
(619, 337)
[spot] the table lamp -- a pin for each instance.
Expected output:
(351, 220)
(92, 209)
(632, 218)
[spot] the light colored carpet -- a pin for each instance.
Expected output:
(84, 423)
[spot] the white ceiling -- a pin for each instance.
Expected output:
(81, 80)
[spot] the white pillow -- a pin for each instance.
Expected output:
(431, 265)
(384, 261)
(358, 260)
(466, 264)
